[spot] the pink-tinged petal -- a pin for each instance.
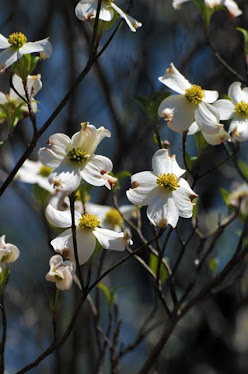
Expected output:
(177, 3)
(162, 163)
(162, 210)
(131, 22)
(43, 46)
(225, 108)
(183, 196)
(182, 114)
(94, 170)
(175, 80)
(238, 129)
(86, 10)
(86, 243)
(216, 139)
(4, 42)
(143, 186)
(110, 239)
(236, 94)
(59, 143)
(210, 96)
(60, 218)
(207, 118)
(66, 177)
(8, 57)
(49, 158)
(232, 8)
(193, 129)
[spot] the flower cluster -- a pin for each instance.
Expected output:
(231, 6)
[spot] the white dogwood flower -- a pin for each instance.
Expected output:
(167, 195)
(86, 10)
(87, 232)
(61, 272)
(74, 159)
(180, 110)
(8, 252)
(34, 172)
(231, 5)
(16, 45)
(235, 109)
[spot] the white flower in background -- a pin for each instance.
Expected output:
(239, 199)
(74, 159)
(180, 110)
(8, 252)
(16, 45)
(87, 232)
(167, 195)
(231, 5)
(34, 172)
(86, 10)
(237, 110)
(11, 101)
(61, 273)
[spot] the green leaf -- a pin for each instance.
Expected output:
(106, 293)
(4, 278)
(41, 194)
(153, 264)
(123, 174)
(224, 195)
(150, 104)
(195, 208)
(244, 168)
(245, 34)
(213, 265)
(188, 161)
(200, 142)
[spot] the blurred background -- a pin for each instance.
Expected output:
(213, 337)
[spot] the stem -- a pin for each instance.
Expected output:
(4, 336)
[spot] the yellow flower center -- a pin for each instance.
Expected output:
(113, 217)
(195, 94)
(241, 108)
(168, 181)
(77, 155)
(17, 39)
(88, 221)
(45, 171)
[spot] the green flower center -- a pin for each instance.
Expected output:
(195, 94)
(17, 39)
(77, 155)
(168, 181)
(241, 108)
(88, 221)
(45, 171)
(113, 217)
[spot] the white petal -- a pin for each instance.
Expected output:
(225, 108)
(95, 168)
(162, 163)
(67, 279)
(3, 98)
(175, 80)
(4, 42)
(66, 177)
(34, 84)
(8, 57)
(239, 129)
(177, 3)
(233, 8)
(144, 184)
(86, 10)
(131, 22)
(162, 210)
(49, 158)
(17, 83)
(55, 260)
(43, 46)
(59, 218)
(210, 96)
(193, 129)
(110, 239)
(182, 197)
(207, 118)
(14, 253)
(63, 244)
(60, 142)
(236, 94)
(183, 112)
(128, 211)
(86, 243)
(216, 139)
(89, 137)
(98, 210)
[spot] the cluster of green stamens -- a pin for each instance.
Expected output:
(113, 217)
(88, 221)
(77, 155)
(45, 171)
(17, 39)
(194, 94)
(241, 108)
(168, 181)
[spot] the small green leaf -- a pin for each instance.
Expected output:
(200, 142)
(188, 161)
(224, 195)
(150, 104)
(213, 265)
(245, 34)
(106, 293)
(244, 168)
(123, 174)
(195, 208)
(4, 278)
(153, 264)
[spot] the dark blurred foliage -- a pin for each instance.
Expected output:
(213, 337)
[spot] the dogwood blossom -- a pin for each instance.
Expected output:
(8, 252)
(237, 110)
(34, 172)
(180, 110)
(231, 5)
(74, 159)
(239, 199)
(16, 45)
(61, 272)
(86, 10)
(167, 195)
(87, 232)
